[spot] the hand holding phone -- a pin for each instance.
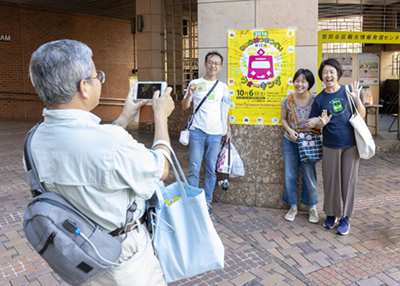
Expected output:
(163, 105)
(145, 90)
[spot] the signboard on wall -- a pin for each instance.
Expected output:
(261, 64)
(353, 37)
(368, 69)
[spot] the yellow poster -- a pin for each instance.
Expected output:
(261, 64)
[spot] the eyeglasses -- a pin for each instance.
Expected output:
(211, 63)
(101, 76)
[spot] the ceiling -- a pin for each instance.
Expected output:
(126, 9)
(343, 8)
(360, 2)
(119, 9)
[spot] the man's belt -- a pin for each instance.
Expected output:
(129, 228)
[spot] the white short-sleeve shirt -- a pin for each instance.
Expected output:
(208, 117)
(99, 169)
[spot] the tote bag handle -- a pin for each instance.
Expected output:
(351, 101)
(178, 180)
(165, 143)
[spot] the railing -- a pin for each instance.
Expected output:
(6, 95)
(9, 93)
(112, 99)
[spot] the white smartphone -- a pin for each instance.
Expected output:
(145, 90)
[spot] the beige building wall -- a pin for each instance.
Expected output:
(150, 42)
(260, 148)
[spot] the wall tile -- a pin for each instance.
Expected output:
(217, 17)
(143, 41)
(238, 193)
(110, 40)
(143, 59)
(270, 195)
(301, 14)
(306, 57)
(143, 7)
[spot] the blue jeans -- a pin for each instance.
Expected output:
(291, 162)
(197, 142)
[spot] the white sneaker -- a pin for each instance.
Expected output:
(291, 214)
(314, 218)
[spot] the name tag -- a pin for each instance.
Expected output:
(201, 87)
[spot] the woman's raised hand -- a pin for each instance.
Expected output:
(324, 117)
(355, 90)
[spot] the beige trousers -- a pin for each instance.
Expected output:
(142, 270)
(339, 173)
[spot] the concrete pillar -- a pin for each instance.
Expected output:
(260, 147)
(150, 42)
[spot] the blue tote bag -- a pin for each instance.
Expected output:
(185, 239)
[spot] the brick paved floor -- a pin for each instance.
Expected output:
(261, 247)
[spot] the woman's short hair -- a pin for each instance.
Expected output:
(308, 75)
(331, 62)
(56, 69)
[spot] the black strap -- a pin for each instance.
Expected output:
(205, 97)
(229, 154)
(37, 188)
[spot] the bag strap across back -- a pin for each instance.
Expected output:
(291, 101)
(37, 188)
(205, 97)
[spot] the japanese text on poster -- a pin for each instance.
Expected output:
(368, 69)
(261, 64)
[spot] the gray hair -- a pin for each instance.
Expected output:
(56, 69)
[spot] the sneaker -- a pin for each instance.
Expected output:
(343, 227)
(210, 211)
(291, 214)
(330, 222)
(314, 218)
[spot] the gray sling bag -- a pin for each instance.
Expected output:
(76, 248)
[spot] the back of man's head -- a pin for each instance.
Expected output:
(56, 69)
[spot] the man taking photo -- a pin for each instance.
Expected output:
(99, 169)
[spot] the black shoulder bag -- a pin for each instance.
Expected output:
(75, 247)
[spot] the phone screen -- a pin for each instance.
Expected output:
(146, 90)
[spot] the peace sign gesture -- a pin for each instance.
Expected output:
(355, 90)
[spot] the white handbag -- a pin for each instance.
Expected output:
(185, 239)
(237, 166)
(184, 137)
(365, 141)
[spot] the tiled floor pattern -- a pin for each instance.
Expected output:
(261, 247)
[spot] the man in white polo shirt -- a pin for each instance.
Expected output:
(207, 124)
(99, 169)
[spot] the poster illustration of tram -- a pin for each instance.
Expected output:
(261, 64)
